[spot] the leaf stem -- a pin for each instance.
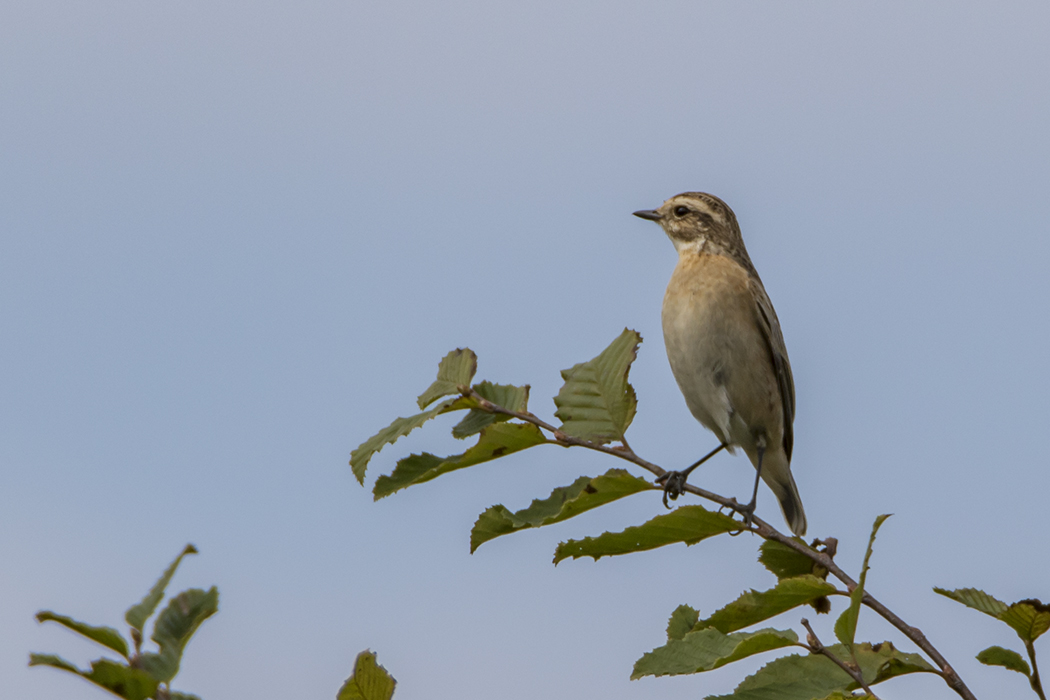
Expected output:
(1037, 685)
(815, 646)
(762, 529)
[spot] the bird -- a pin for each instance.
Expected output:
(726, 348)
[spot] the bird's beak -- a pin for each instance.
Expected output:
(650, 214)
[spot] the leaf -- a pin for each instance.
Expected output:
(53, 661)
(846, 625)
(175, 625)
(791, 677)
(1007, 658)
(370, 681)
(596, 402)
(130, 683)
(512, 398)
(1029, 618)
(681, 622)
(783, 561)
(455, 369)
(121, 680)
(564, 502)
(137, 615)
(754, 606)
(688, 524)
(976, 599)
(401, 427)
(496, 441)
(708, 649)
(900, 664)
(106, 636)
(812, 676)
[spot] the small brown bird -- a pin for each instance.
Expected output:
(725, 347)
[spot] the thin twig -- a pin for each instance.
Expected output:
(1037, 685)
(564, 440)
(759, 527)
(815, 646)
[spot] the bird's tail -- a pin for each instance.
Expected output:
(776, 472)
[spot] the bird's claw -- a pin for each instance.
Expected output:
(674, 486)
(748, 512)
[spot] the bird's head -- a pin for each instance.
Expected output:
(696, 221)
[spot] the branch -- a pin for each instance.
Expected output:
(953, 680)
(815, 647)
(564, 440)
(758, 526)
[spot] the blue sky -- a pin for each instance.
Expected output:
(237, 238)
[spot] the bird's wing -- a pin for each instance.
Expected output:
(769, 326)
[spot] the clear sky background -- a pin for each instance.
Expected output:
(238, 237)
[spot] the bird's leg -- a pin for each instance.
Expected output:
(674, 482)
(749, 510)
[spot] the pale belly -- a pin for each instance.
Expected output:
(717, 355)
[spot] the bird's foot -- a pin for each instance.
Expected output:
(747, 511)
(674, 482)
(674, 485)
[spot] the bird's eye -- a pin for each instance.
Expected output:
(681, 211)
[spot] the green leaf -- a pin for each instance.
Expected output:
(783, 561)
(512, 398)
(812, 676)
(754, 606)
(1029, 618)
(497, 440)
(596, 402)
(123, 681)
(846, 625)
(401, 427)
(175, 625)
(976, 599)
(688, 524)
(708, 649)
(130, 683)
(370, 681)
(53, 661)
(564, 502)
(1007, 658)
(681, 622)
(137, 615)
(456, 369)
(106, 636)
(899, 664)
